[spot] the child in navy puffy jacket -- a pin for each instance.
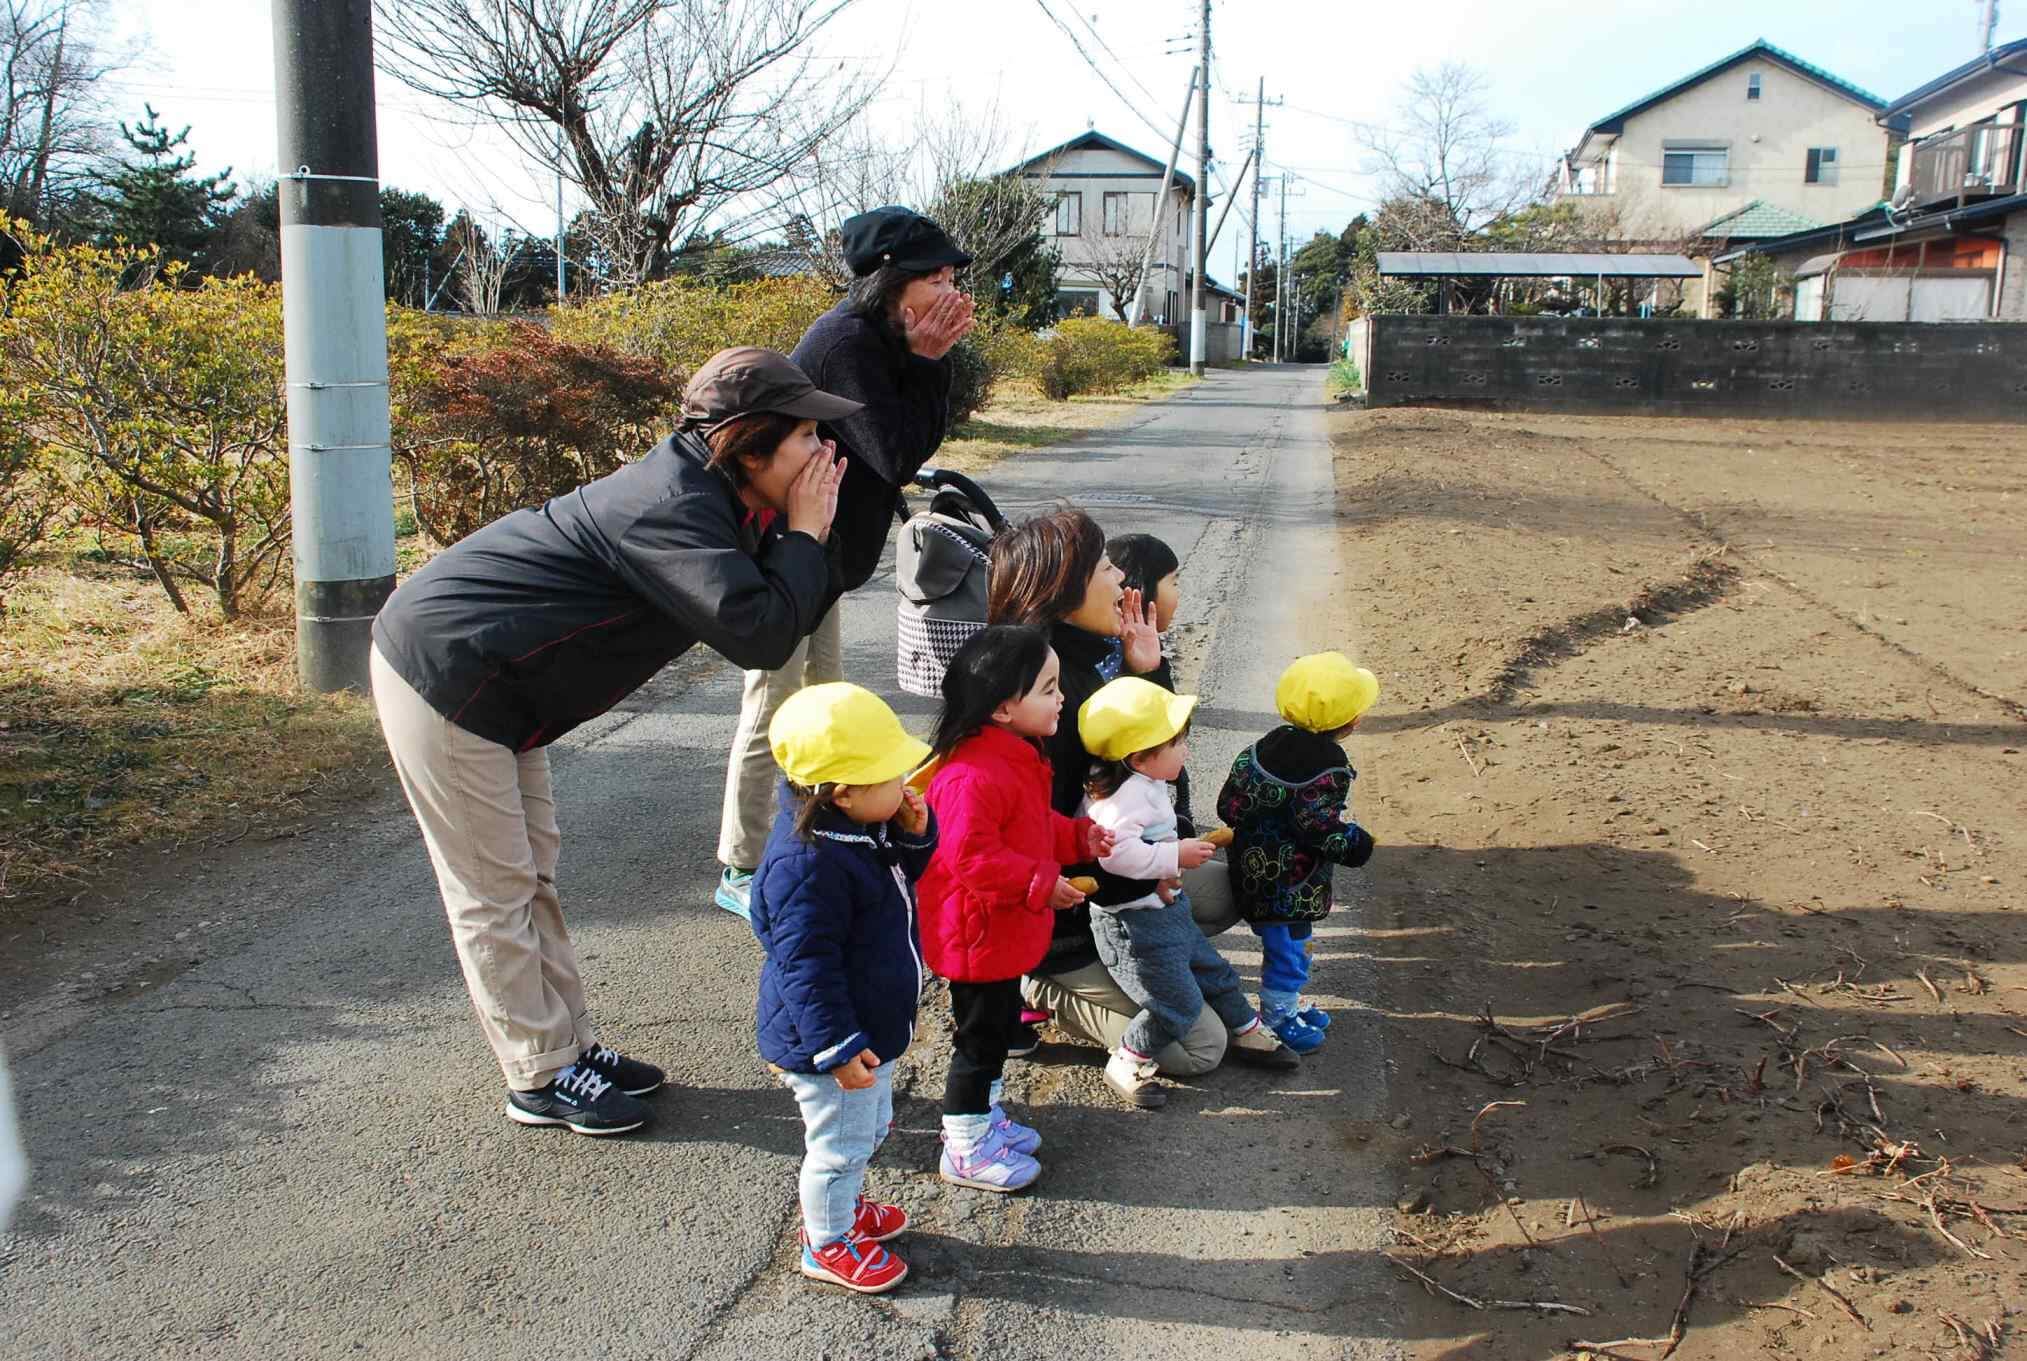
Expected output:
(833, 904)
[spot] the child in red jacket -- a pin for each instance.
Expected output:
(989, 900)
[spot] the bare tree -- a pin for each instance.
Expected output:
(954, 169)
(672, 112)
(1118, 262)
(1449, 151)
(52, 125)
(482, 268)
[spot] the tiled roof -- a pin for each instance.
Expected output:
(1615, 122)
(1756, 220)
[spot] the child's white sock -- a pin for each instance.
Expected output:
(963, 1134)
(998, 1092)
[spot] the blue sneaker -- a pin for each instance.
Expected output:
(1315, 1017)
(1297, 1034)
(734, 886)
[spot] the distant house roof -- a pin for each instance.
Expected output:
(1756, 220)
(1836, 236)
(1095, 140)
(1997, 56)
(1877, 224)
(1501, 264)
(1615, 122)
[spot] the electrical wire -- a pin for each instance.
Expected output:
(1099, 71)
(1152, 98)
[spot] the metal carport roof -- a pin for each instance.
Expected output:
(1495, 264)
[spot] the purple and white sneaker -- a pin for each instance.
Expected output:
(992, 1166)
(1018, 1137)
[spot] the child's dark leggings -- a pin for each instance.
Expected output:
(986, 1016)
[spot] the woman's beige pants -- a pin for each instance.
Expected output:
(488, 816)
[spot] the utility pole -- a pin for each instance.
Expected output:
(1157, 228)
(562, 283)
(1198, 334)
(1281, 279)
(1988, 24)
(341, 491)
(1260, 102)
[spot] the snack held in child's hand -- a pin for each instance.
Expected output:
(1084, 884)
(1220, 837)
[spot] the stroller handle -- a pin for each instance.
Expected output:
(936, 479)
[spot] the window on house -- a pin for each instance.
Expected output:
(1752, 87)
(1122, 213)
(1696, 164)
(1822, 167)
(1077, 302)
(1070, 213)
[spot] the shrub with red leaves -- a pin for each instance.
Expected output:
(521, 418)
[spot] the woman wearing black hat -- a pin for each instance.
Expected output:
(884, 347)
(547, 618)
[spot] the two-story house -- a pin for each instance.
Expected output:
(1950, 244)
(1105, 211)
(1759, 142)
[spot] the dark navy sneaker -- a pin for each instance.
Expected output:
(629, 1075)
(581, 1101)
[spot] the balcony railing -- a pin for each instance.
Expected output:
(1970, 163)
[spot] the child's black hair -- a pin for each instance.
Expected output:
(1107, 776)
(1144, 560)
(996, 664)
(810, 804)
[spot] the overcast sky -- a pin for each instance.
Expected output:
(1554, 65)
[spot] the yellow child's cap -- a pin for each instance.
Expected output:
(1131, 715)
(1324, 691)
(841, 734)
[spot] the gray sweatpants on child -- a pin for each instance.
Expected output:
(1160, 959)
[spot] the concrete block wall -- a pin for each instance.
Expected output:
(2013, 285)
(1676, 367)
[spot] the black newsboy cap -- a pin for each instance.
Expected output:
(898, 237)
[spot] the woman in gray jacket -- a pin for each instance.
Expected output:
(547, 618)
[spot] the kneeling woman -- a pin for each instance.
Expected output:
(547, 618)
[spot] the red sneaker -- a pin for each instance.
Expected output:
(876, 1223)
(867, 1268)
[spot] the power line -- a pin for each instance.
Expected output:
(1100, 38)
(1099, 71)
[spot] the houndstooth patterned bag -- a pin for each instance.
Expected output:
(940, 572)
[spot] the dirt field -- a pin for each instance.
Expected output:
(1700, 771)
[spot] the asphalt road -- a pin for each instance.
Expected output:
(282, 1137)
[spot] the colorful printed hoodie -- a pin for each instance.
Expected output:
(1286, 802)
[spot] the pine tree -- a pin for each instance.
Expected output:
(153, 199)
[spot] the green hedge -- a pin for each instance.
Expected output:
(1097, 355)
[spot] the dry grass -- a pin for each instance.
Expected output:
(1021, 418)
(122, 722)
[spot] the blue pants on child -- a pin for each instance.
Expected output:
(1158, 956)
(841, 1131)
(1284, 963)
